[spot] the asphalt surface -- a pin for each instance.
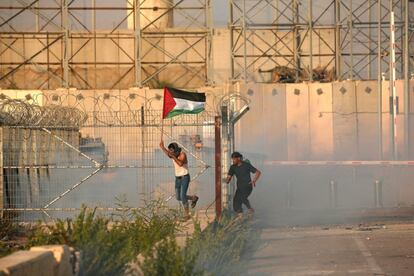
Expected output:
(363, 242)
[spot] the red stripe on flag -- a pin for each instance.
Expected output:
(169, 103)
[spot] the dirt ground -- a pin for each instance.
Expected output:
(363, 242)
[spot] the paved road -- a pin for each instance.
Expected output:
(371, 248)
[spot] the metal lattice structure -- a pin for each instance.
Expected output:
(93, 148)
(350, 37)
(46, 44)
(345, 40)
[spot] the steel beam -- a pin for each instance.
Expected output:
(406, 63)
(353, 49)
(137, 43)
(196, 15)
(65, 46)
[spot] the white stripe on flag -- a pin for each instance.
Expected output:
(187, 104)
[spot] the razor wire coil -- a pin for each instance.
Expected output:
(16, 112)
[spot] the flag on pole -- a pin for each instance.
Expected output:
(177, 102)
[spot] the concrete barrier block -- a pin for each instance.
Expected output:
(297, 121)
(62, 255)
(23, 263)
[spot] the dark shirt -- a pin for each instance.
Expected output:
(242, 173)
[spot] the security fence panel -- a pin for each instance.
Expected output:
(99, 149)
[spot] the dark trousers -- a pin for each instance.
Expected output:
(241, 197)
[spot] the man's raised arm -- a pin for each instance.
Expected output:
(164, 149)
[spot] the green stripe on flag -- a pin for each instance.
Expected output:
(176, 112)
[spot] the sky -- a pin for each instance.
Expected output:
(220, 12)
(220, 9)
(104, 19)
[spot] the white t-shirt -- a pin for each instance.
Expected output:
(180, 171)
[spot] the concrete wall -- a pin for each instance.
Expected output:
(53, 260)
(323, 121)
(320, 121)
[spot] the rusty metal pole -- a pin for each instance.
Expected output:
(226, 153)
(217, 133)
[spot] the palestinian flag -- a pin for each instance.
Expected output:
(177, 102)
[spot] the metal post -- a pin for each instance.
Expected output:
(378, 194)
(310, 39)
(337, 39)
(296, 39)
(218, 173)
(406, 81)
(94, 42)
(369, 41)
(232, 143)
(351, 37)
(137, 43)
(379, 80)
(244, 42)
(333, 194)
(232, 74)
(143, 188)
(226, 153)
(209, 48)
(65, 27)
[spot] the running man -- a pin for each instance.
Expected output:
(245, 184)
(182, 176)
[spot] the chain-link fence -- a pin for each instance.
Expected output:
(60, 151)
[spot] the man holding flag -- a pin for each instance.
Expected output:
(177, 102)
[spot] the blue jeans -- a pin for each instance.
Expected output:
(181, 188)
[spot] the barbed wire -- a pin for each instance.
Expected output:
(231, 101)
(70, 110)
(16, 112)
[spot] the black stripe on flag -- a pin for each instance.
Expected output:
(191, 96)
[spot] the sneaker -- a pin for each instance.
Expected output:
(194, 201)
